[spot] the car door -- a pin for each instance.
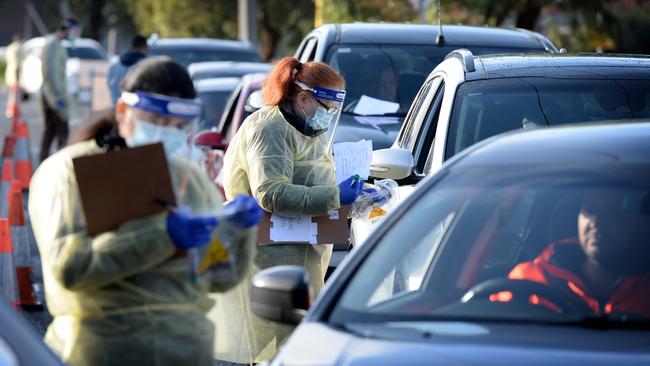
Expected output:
(417, 136)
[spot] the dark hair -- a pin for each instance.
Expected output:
(69, 23)
(160, 75)
(279, 87)
(139, 42)
(101, 125)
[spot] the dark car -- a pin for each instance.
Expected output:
(493, 260)
(190, 50)
(20, 344)
(385, 64)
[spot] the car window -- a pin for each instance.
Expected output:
(309, 52)
(229, 109)
(186, 56)
(392, 74)
(212, 107)
(427, 133)
(409, 132)
(464, 246)
(488, 107)
(85, 53)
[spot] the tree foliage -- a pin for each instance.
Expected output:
(340, 11)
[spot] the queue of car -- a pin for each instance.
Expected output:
(432, 281)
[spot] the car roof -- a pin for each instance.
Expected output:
(227, 65)
(600, 66)
(216, 84)
(404, 33)
(603, 143)
(199, 43)
(79, 42)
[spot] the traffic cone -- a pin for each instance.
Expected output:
(22, 246)
(22, 159)
(8, 148)
(7, 177)
(8, 282)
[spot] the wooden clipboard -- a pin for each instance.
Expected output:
(118, 186)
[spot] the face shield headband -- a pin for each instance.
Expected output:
(323, 93)
(161, 104)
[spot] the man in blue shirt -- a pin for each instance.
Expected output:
(121, 64)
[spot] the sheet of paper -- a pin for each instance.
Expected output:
(293, 229)
(352, 158)
(369, 105)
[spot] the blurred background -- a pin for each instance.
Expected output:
(577, 25)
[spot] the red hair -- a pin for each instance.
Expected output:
(279, 87)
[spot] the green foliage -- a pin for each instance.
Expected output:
(185, 18)
(342, 11)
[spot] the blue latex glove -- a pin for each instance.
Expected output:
(376, 198)
(187, 231)
(243, 212)
(349, 190)
(60, 103)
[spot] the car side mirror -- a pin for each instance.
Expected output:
(394, 163)
(281, 294)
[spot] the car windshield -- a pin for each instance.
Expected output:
(390, 74)
(213, 106)
(517, 243)
(186, 56)
(85, 53)
(488, 107)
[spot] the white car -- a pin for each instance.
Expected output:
(85, 58)
(469, 98)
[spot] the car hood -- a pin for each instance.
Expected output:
(457, 343)
(381, 130)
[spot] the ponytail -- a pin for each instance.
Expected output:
(279, 87)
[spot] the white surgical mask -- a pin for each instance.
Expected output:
(146, 132)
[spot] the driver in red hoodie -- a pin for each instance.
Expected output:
(608, 265)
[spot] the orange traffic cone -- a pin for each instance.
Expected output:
(22, 247)
(22, 158)
(8, 282)
(8, 148)
(7, 177)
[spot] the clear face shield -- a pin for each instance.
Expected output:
(325, 120)
(169, 120)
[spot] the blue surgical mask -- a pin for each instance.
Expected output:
(146, 132)
(321, 119)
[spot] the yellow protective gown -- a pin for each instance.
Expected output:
(13, 56)
(123, 297)
(289, 174)
(54, 58)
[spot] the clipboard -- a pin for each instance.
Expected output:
(122, 185)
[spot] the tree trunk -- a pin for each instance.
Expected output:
(530, 12)
(270, 35)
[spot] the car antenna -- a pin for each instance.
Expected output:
(440, 38)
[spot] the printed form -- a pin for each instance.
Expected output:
(352, 158)
(293, 229)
